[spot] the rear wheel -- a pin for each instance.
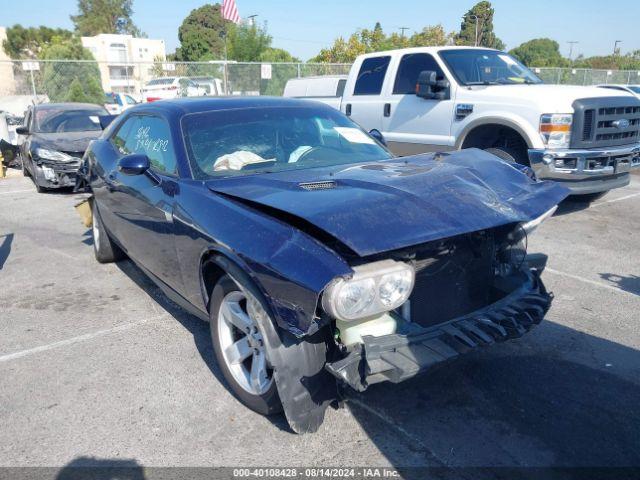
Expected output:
(240, 350)
(103, 247)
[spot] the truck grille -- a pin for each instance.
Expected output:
(454, 280)
(605, 122)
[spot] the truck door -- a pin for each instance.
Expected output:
(362, 101)
(411, 124)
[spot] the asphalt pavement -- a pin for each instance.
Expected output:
(97, 365)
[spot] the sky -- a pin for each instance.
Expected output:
(303, 27)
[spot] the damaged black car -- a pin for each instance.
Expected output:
(56, 137)
(322, 262)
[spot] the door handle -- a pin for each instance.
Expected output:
(347, 110)
(387, 109)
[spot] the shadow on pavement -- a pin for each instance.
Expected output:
(82, 468)
(517, 405)
(629, 283)
(5, 248)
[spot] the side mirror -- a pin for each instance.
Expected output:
(378, 136)
(134, 164)
(22, 131)
(429, 87)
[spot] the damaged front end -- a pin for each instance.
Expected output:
(470, 291)
(57, 172)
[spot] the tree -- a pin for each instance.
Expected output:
(540, 52)
(366, 41)
(28, 42)
(62, 81)
(246, 43)
(201, 35)
(105, 16)
(481, 14)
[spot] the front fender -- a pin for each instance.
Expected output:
(289, 266)
(516, 122)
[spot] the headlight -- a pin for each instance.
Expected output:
(375, 288)
(47, 154)
(555, 129)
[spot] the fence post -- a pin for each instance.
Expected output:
(33, 84)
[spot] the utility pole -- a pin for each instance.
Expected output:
(615, 47)
(571, 44)
(402, 29)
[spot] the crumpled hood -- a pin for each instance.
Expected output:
(391, 204)
(65, 141)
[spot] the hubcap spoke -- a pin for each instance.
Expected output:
(238, 351)
(234, 315)
(258, 370)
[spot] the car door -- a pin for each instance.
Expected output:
(143, 205)
(412, 124)
(362, 101)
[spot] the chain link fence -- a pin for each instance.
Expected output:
(71, 80)
(58, 81)
(586, 76)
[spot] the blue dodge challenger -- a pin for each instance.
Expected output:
(320, 260)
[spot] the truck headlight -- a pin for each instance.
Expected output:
(54, 155)
(555, 129)
(373, 289)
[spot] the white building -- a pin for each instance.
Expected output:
(7, 81)
(126, 63)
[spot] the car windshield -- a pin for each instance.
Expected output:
(634, 88)
(486, 67)
(270, 139)
(58, 120)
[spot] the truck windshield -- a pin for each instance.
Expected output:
(269, 139)
(486, 67)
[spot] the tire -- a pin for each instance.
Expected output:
(238, 352)
(103, 247)
(506, 154)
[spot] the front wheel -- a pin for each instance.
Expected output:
(240, 350)
(103, 247)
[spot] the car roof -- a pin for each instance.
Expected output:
(432, 50)
(189, 105)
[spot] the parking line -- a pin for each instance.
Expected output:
(626, 197)
(17, 191)
(78, 339)
(590, 282)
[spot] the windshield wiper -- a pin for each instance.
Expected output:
(486, 82)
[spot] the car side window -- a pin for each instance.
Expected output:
(371, 76)
(148, 135)
(410, 67)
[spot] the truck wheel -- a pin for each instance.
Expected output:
(240, 350)
(507, 154)
(103, 247)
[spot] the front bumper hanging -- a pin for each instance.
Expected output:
(396, 358)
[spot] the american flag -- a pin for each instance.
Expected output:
(230, 11)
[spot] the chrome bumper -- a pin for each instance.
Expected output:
(586, 171)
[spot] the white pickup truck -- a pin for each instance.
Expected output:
(445, 98)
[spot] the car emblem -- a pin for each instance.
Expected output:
(620, 124)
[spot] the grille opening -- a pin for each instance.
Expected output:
(324, 185)
(587, 129)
